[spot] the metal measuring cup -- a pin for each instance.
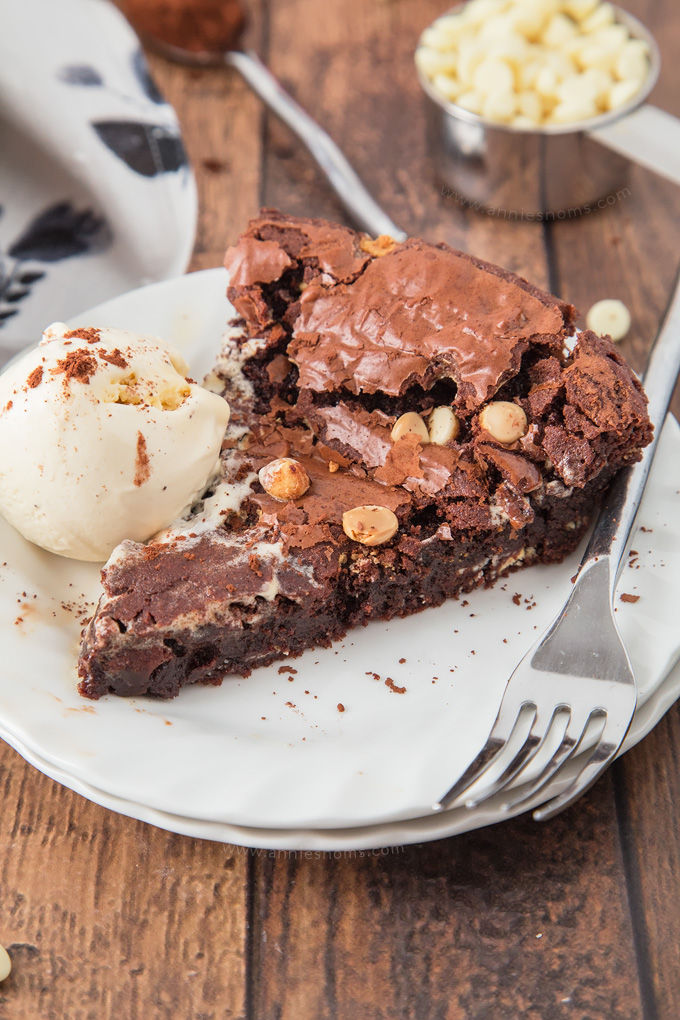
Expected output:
(556, 171)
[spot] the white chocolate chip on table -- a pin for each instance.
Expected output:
(370, 524)
(284, 479)
(504, 421)
(610, 317)
(5, 964)
(570, 56)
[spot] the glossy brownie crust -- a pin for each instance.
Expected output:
(338, 336)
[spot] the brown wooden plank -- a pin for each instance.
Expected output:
(649, 781)
(631, 251)
(105, 916)
(514, 920)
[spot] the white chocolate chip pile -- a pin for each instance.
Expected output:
(609, 316)
(533, 63)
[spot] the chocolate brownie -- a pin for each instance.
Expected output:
(408, 423)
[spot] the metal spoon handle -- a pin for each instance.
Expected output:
(343, 178)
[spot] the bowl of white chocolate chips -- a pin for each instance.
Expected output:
(535, 107)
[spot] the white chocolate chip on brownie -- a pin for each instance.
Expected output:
(503, 420)
(370, 525)
(410, 424)
(443, 425)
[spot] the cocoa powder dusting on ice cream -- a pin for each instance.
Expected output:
(78, 364)
(142, 463)
(114, 357)
(90, 334)
(35, 378)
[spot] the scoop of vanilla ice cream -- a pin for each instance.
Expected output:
(102, 438)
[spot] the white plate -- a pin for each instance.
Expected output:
(210, 756)
(387, 838)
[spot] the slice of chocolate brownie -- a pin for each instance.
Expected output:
(408, 423)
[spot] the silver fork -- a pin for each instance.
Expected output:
(577, 676)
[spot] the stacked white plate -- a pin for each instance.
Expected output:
(342, 748)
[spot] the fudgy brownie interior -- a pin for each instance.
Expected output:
(408, 423)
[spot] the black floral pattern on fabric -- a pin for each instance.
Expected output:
(81, 74)
(60, 232)
(148, 149)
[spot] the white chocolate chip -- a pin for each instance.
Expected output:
(5, 964)
(633, 60)
(443, 425)
(622, 92)
(370, 525)
(559, 29)
(573, 111)
(447, 86)
(579, 9)
(529, 18)
(511, 47)
(499, 106)
(492, 76)
(600, 81)
(529, 105)
(602, 15)
(284, 479)
(470, 54)
(431, 62)
(410, 424)
(546, 82)
(471, 101)
(503, 420)
(609, 316)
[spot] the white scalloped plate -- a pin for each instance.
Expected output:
(273, 751)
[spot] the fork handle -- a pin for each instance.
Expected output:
(616, 519)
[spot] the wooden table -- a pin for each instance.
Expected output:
(106, 917)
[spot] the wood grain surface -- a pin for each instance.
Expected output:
(576, 919)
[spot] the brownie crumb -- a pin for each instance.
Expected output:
(517, 598)
(625, 597)
(389, 682)
(402, 660)
(287, 669)
(341, 707)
